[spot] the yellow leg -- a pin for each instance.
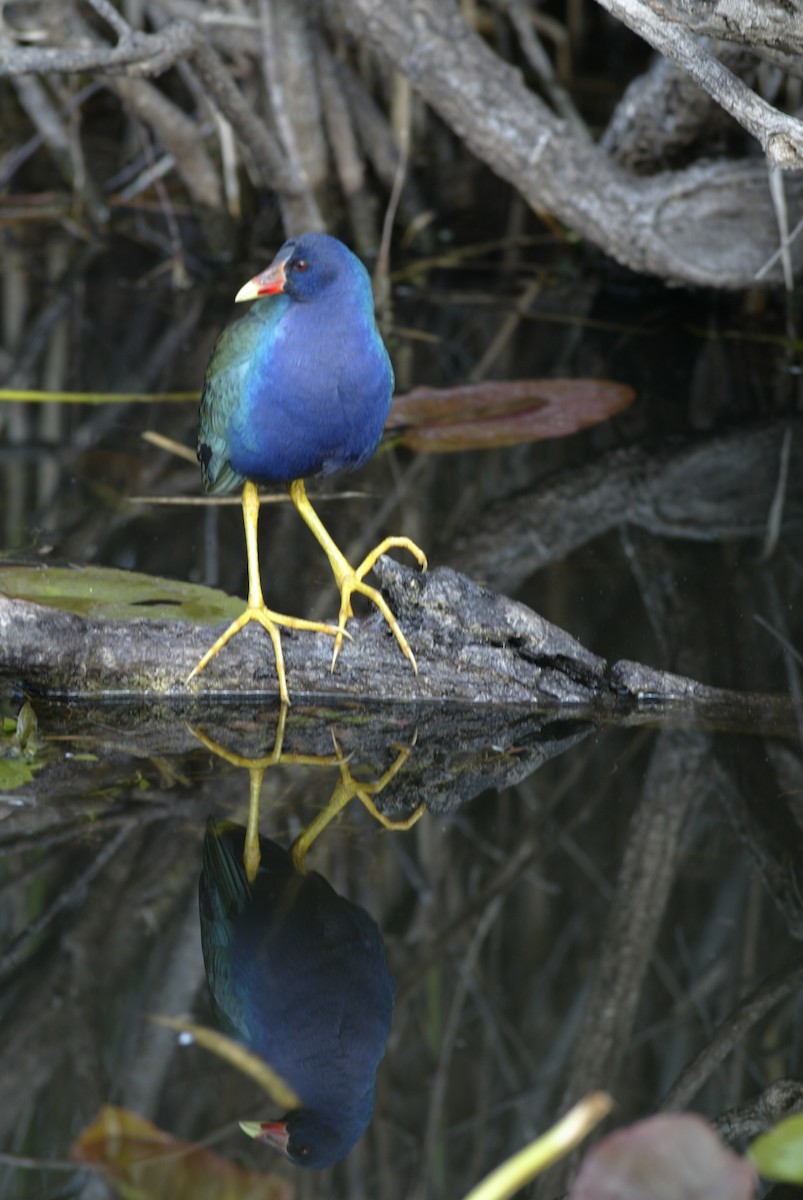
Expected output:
(350, 579)
(256, 609)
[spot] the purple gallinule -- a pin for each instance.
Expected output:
(299, 387)
(297, 973)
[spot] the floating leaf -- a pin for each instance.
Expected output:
(27, 725)
(778, 1154)
(15, 772)
(21, 751)
(115, 595)
(147, 1164)
(503, 413)
(672, 1157)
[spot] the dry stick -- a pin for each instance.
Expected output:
(110, 14)
(403, 93)
(349, 162)
(16, 952)
(228, 158)
(741, 1124)
(506, 330)
(780, 136)
(772, 30)
(372, 126)
(772, 260)
(43, 116)
(304, 212)
(176, 133)
(265, 151)
(521, 18)
(775, 515)
(142, 53)
(778, 193)
(11, 162)
(730, 1034)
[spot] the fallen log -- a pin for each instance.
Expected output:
(473, 647)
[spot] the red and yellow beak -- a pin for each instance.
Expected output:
(269, 282)
(273, 1132)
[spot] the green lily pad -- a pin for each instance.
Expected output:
(109, 594)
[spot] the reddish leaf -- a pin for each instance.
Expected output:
(483, 415)
(672, 1157)
(146, 1164)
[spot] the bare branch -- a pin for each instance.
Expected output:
(142, 53)
(769, 25)
(780, 136)
(711, 224)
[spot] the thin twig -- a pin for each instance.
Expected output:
(18, 949)
(775, 515)
(381, 273)
(730, 1034)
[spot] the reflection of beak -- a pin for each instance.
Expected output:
(269, 283)
(273, 1132)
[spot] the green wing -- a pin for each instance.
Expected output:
(222, 391)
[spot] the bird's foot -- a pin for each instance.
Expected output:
(270, 622)
(351, 579)
(346, 788)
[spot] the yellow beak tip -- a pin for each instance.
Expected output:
(249, 291)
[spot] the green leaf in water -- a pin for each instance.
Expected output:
(15, 772)
(27, 725)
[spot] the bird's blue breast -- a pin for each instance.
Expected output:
(314, 395)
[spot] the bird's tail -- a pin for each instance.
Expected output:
(224, 880)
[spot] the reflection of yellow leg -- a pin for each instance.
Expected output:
(252, 855)
(256, 609)
(256, 768)
(346, 788)
(350, 579)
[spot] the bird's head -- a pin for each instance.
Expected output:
(306, 267)
(303, 1137)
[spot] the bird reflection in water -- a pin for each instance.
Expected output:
(296, 971)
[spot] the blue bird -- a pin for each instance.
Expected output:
(298, 974)
(299, 387)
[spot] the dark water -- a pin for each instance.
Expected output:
(577, 907)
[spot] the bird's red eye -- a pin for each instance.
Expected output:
(301, 264)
